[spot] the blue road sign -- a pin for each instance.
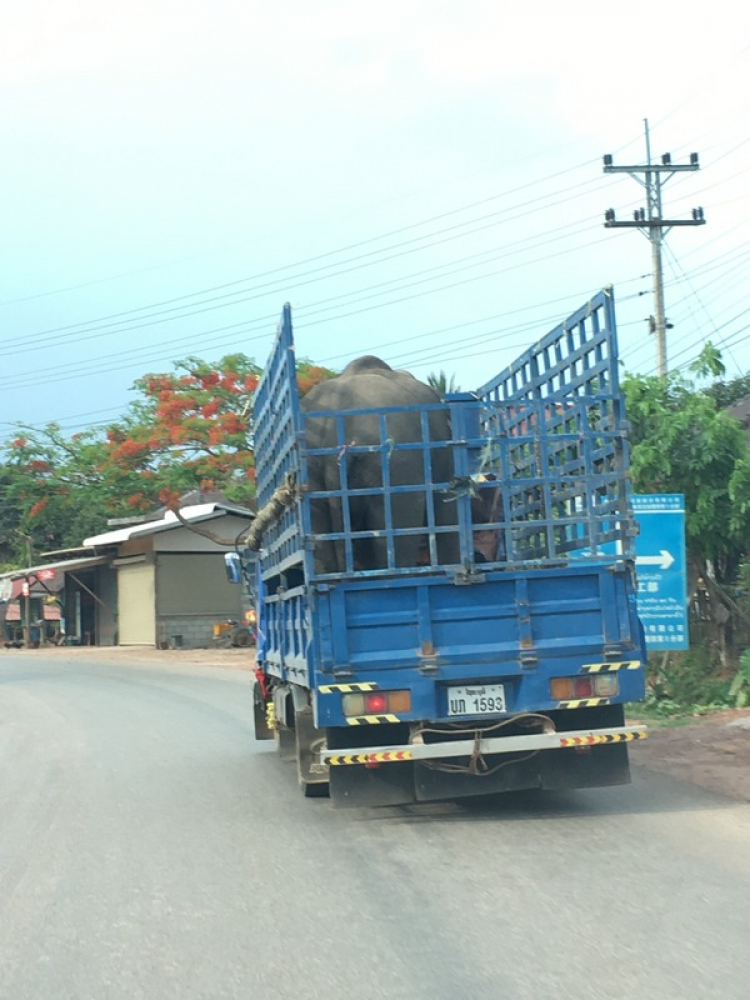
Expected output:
(661, 564)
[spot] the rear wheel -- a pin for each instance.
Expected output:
(242, 637)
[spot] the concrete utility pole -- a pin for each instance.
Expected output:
(652, 223)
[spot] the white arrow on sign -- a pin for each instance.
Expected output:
(664, 560)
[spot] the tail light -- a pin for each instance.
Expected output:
(606, 685)
(591, 686)
(376, 703)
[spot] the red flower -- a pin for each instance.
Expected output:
(38, 506)
(232, 423)
(170, 498)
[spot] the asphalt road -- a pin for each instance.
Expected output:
(149, 849)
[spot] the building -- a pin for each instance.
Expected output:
(170, 579)
(159, 582)
(48, 600)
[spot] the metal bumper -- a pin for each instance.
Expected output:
(481, 746)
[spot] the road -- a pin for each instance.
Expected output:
(149, 849)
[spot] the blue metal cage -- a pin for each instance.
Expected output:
(539, 459)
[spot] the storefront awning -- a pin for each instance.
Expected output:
(45, 578)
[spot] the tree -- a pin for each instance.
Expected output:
(192, 430)
(442, 384)
(188, 430)
(725, 394)
(681, 443)
(709, 362)
(54, 488)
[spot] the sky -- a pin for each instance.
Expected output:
(421, 179)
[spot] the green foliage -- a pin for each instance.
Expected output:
(53, 489)
(708, 363)
(682, 444)
(186, 430)
(725, 394)
(309, 374)
(689, 681)
(739, 689)
(442, 384)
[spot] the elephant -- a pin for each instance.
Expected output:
(369, 382)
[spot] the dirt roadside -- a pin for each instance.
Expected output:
(712, 751)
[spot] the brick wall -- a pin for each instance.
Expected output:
(197, 631)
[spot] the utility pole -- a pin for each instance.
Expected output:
(655, 227)
(27, 592)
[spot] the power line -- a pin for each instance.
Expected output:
(32, 380)
(333, 253)
(381, 288)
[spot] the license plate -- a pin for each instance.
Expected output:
(476, 699)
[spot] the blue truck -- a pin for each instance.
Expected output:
(500, 667)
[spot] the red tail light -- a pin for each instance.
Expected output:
(376, 703)
(583, 687)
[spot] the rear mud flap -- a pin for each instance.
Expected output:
(547, 769)
(409, 782)
(263, 730)
(360, 786)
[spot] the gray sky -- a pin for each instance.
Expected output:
(422, 180)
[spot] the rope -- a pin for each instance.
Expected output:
(282, 498)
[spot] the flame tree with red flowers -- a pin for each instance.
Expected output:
(187, 430)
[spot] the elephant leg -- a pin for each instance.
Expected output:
(325, 551)
(367, 513)
(408, 510)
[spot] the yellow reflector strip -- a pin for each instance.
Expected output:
(585, 703)
(590, 741)
(371, 720)
(598, 668)
(347, 688)
(384, 757)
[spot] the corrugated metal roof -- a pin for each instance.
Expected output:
(64, 565)
(11, 581)
(196, 513)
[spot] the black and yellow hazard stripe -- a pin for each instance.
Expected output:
(605, 668)
(348, 688)
(383, 757)
(584, 703)
(592, 740)
(371, 720)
